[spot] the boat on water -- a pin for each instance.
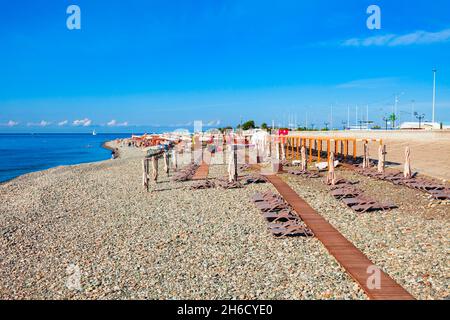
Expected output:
(94, 133)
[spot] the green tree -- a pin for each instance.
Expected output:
(248, 125)
(264, 126)
(393, 118)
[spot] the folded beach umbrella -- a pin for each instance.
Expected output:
(407, 168)
(155, 168)
(331, 177)
(303, 158)
(145, 176)
(366, 163)
(166, 162)
(277, 146)
(381, 158)
(174, 159)
(231, 167)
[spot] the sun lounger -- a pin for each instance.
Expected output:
(342, 182)
(282, 220)
(266, 195)
(280, 216)
(202, 185)
(372, 206)
(286, 223)
(255, 179)
(356, 201)
(271, 207)
(229, 184)
(185, 173)
(345, 192)
(291, 231)
(440, 194)
(304, 173)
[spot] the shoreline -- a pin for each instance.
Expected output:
(104, 145)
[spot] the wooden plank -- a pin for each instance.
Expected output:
(351, 258)
(202, 172)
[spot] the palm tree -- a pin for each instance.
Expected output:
(393, 118)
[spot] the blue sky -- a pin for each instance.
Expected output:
(145, 63)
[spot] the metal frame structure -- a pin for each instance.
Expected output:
(338, 145)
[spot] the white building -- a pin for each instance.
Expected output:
(423, 125)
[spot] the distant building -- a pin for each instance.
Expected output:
(359, 127)
(423, 126)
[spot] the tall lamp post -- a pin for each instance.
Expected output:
(386, 120)
(420, 117)
(434, 94)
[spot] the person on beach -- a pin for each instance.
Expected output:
(115, 153)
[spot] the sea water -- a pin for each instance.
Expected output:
(23, 153)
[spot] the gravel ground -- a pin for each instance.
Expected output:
(168, 244)
(409, 243)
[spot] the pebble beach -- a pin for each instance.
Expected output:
(178, 243)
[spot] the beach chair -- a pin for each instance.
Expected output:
(339, 183)
(266, 196)
(290, 231)
(440, 194)
(372, 206)
(254, 179)
(206, 184)
(295, 172)
(271, 206)
(280, 216)
(345, 192)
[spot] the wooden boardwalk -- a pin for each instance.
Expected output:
(202, 172)
(351, 258)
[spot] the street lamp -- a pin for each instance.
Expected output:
(420, 118)
(434, 93)
(386, 121)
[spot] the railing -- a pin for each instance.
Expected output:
(319, 145)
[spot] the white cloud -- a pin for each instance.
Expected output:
(63, 123)
(83, 122)
(394, 40)
(114, 123)
(213, 123)
(371, 83)
(10, 123)
(421, 37)
(43, 123)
